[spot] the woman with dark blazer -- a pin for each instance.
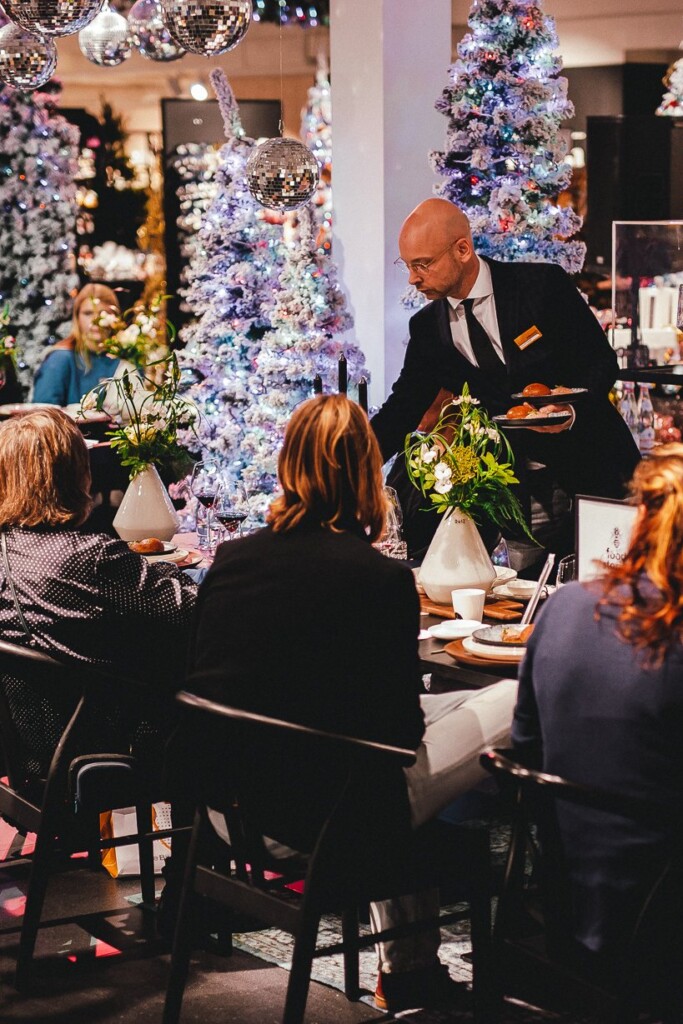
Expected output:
(305, 620)
(601, 702)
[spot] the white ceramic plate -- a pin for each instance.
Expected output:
(502, 590)
(550, 419)
(484, 651)
(563, 398)
(177, 555)
(454, 629)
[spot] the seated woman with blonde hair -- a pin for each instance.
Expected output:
(85, 597)
(342, 623)
(601, 703)
(78, 363)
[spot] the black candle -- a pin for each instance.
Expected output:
(363, 394)
(317, 384)
(343, 375)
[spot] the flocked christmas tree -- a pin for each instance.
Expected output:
(309, 320)
(236, 259)
(504, 161)
(38, 163)
(672, 100)
(316, 133)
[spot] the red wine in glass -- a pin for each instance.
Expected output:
(206, 498)
(230, 519)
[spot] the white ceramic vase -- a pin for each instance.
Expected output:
(456, 558)
(146, 509)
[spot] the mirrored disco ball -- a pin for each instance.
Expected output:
(52, 17)
(149, 33)
(207, 28)
(26, 61)
(282, 174)
(105, 40)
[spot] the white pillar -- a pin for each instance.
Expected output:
(389, 61)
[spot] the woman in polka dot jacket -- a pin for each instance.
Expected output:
(86, 597)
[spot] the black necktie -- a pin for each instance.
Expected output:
(483, 349)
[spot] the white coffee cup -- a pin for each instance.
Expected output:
(468, 603)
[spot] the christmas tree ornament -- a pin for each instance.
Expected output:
(207, 28)
(26, 61)
(52, 17)
(149, 32)
(105, 41)
(282, 174)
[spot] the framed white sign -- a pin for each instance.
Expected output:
(603, 533)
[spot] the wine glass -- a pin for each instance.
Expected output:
(206, 477)
(231, 507)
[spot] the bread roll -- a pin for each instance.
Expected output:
(536, 389)
(148, 546)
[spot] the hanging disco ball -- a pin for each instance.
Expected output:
(26, 61)
(207, 28)
(282, 174)
(105, 40)
(149, 33)
(52, 17)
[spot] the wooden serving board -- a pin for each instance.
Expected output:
(500, 609)
(463, 657)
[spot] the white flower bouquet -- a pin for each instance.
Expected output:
(465, 463)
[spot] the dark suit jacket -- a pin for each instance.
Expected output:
(314, 627)
(590, 711)
(598, 455)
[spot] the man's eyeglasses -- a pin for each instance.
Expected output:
(422, 266)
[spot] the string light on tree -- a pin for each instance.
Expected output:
(26, 61)
(105, 41)
(52, 17)
(207, 28)
(504, 160)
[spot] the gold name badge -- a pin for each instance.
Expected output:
(528, 337)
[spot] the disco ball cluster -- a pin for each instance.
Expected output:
(207, 28)
(149, 33)
(52, 17)
(282, 174)
(26, 61)
(106, 41)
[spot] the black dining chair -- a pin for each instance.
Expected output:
(535, 954)
(53, 786)
(349, 854)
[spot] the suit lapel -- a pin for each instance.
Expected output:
(459, 369)
(506, 296)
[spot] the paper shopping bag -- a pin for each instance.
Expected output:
(124, 861)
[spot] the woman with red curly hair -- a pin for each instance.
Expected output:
(601, 703)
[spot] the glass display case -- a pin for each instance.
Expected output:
(647, 293)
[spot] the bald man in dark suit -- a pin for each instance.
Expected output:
(498, 327)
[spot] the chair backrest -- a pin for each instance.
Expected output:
(539, 797)
(287, 778)
(45, 709)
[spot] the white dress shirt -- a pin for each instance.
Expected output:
(484, 309)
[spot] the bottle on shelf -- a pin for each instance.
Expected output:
(629, 410)
(646, 420)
